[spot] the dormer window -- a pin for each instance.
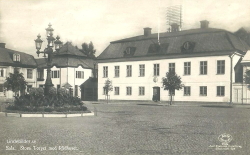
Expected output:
(16, 57)
(158, 48)
(130, 51)
(187, 47)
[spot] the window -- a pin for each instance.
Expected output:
(220, 90)
(141, 91)
(221, 67)
(129, 90)
(40, 85)
(80, 74)
(154, 48)
(16, 57)
(76, 90)
(129, 70)
(105, 91)
(2, 72)
(187, 68)
(117, 71)
(16, 70)
(130, 51)
(1, 88)
(203, 90)
(156, 69)
(117, 90)
(29, 87)
(171, 67)
(187, 91)
(105, 71)
(142, 70)
(29, 73)
(40, 74)
(203, 67)
(55, 74)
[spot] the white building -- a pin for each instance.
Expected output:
(207, 59)
(71, 69)
(11, 60)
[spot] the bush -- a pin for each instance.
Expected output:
(49, 109)
(57, 102)
(52, 91)
(62, 91)
(36, 91)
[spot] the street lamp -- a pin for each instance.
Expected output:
(49, 51)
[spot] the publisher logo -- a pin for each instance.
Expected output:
(225, 139)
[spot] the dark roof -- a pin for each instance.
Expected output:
(204, 40)
(6, 59)
(68, 56)
(69, 49)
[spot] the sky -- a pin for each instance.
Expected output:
(103, 21)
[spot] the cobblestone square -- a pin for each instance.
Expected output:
(135, 128)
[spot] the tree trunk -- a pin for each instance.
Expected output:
(171, 99)
(107, 98)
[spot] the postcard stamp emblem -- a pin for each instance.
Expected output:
(225, 139)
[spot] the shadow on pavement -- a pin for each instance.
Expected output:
(150, 104)
(216, 106)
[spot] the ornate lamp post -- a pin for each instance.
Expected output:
(49, 51)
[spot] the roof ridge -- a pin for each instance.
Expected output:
(135, 38)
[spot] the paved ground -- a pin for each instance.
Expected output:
(135, 128)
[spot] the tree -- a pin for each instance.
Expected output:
(171, 83)
(107, 88)
(15, 82)
(247, 77)
(88, 49)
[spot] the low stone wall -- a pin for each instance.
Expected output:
(46, 115)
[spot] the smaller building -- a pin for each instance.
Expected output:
(70, 69)
(11, 60)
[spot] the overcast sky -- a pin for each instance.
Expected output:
(103, 21)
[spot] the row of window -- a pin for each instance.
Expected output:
(128, 91)
(187, 91)
(156, 69)
(29, 72)
(203, 91)
(56, 74)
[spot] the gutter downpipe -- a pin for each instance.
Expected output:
(231, 77)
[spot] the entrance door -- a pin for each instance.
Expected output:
(156, 93)
(237, 96)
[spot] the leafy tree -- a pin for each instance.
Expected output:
(108, 87)
(171, 83)
(88, 49)
(247, 77)
(15, 82)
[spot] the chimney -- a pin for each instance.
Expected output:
(174, 27)
(2, 45)
(204, 24)
(147, 31)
